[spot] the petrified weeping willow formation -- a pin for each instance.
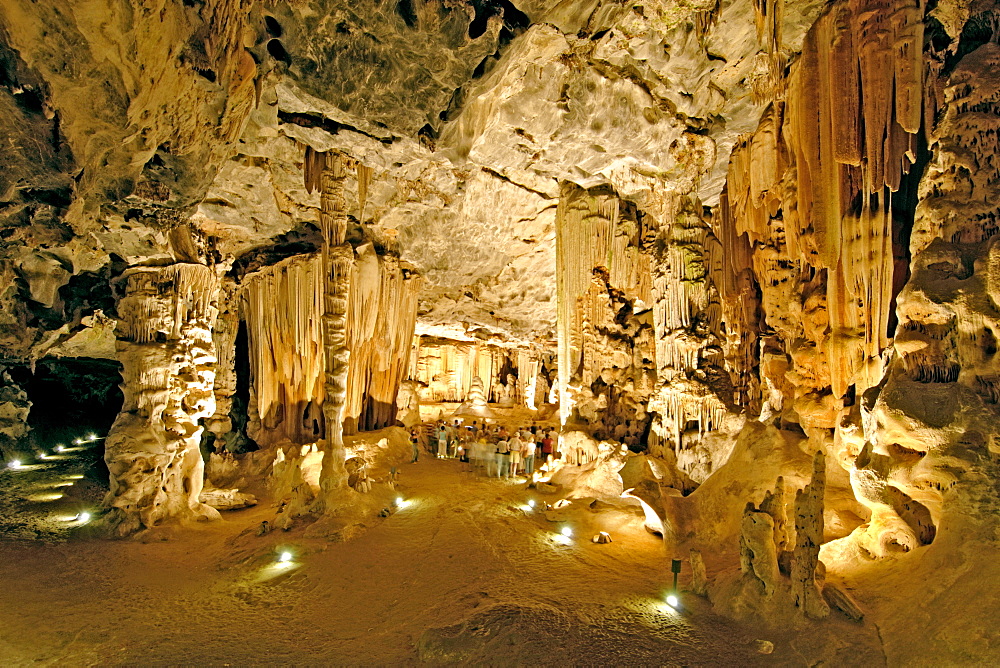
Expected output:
(283, 306)
(168, 356)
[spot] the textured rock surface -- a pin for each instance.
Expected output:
(729, 234)
(166, 349)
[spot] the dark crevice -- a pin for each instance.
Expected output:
(273, 27)
(331, 126)
(277, 51)
(515, 183)
(904, 209)
(514, 20)
(978, 30)
(406, 12)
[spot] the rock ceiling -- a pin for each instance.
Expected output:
(127, 118)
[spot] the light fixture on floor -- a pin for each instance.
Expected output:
(672, 601)
(285, 557)
(15, 464)
(531, 503)
(566, 532)
(83, 517)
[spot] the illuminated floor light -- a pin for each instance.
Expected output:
(60, 448)
(672, 601)
(15, 464)
(91, 437)
(83, 518)
(566, 532)
(399, 500)
(285, 558)
(43, 497)
(77, 441)
(531, 503)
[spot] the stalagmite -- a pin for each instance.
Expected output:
(168, 356)
(808, 537)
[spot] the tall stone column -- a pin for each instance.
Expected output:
(338, 259)
(168, 357)
(224, 335)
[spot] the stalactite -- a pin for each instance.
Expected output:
(585, 226)
(446, 368)
(808, 193)
(381, 316)
(282, 304)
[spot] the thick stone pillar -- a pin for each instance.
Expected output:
(168, 356)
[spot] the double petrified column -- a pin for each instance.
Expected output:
(168, 357)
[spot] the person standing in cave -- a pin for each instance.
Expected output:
(442, 442)
(515, 453)
(528, 456)
(415, 443)
(547, 449)
(503, 458)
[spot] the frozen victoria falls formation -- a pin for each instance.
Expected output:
(741, 256)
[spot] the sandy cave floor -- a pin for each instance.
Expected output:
(464, 573)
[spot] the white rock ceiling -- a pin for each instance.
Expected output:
(468, 137)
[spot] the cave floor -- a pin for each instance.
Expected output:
(464, 573)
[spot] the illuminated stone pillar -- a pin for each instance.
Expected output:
(168, 361)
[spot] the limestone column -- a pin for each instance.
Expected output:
(338, 259)
(168, 357)
(224, 335)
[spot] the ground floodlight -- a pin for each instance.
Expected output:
(567, 532)
(284, 557)
(672, 601)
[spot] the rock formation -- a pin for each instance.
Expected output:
(747, 242)
(165, 346)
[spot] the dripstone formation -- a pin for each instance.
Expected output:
(743, 256)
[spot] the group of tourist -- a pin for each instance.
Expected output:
(491, 450)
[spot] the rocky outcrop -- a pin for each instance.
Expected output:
(14, 409)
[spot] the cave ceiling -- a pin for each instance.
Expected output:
(129, 118)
